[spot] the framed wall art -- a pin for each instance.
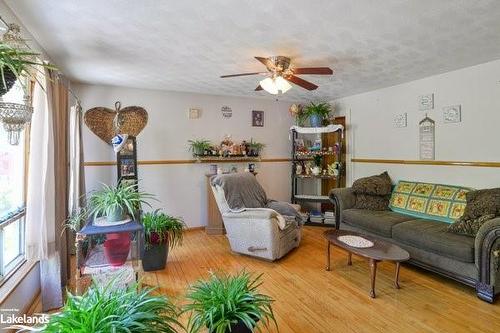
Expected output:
(427, 128)
(426, 102)
(401, 120)
(257, 118)
(452, 114)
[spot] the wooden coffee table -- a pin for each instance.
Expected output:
(380, 251)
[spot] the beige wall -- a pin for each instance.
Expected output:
(373, 135)
(181, 188)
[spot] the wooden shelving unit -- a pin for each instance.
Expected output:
(331, 136)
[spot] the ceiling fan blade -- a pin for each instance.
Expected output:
(267, 62)
(259, 88)
(300, 82)
(313, 70)
(242, 74)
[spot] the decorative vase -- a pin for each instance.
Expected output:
(115, 215)
(155, 257)
(117, 248)
(10, 78)
(316, 120)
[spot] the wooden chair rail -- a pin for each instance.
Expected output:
(420, 162)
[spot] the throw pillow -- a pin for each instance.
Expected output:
(482, 202)
(469, 227)
(372, 202)
(374, 185)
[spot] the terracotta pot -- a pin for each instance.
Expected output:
(117, 248)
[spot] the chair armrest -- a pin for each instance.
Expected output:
(252, 213)
(487, 252)
(342, 198)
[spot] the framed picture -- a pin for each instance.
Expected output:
(452, 114)
(128, 148)
(257, 118)
(426, 102)
(400, 120)
(127, 167)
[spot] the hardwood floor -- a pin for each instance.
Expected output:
(310, 299)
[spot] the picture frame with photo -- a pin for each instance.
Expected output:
(127, 167)
(257, 118)
(128, 148)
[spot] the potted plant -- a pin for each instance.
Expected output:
(15, 64)
(255, 148)
(228, 303)
(161, 232)
(115, 203)
(112, 308)
(198, 147)
(317, 113)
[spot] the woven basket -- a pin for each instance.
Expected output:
(100, 121)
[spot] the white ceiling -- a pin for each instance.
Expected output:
(185, 45)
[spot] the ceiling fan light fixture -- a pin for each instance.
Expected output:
(282, 84)
(269, 85)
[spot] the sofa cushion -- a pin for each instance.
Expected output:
(438, 202)
(373, 185)
(434, 237)
(377, 222)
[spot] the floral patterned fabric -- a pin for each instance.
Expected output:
(438, 202)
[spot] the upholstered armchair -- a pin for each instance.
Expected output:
(258, 232)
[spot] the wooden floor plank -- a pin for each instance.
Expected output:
(310, 299)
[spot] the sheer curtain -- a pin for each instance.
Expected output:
(47, 197)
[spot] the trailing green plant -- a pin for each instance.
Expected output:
(198, 147)
(115, 309)
(322, 109)
(224, 300)
(256, 145)
(76, 220)
(317, 159)
(161, 228)
(124, 196)
(21, 63)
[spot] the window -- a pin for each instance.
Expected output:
(12, 195)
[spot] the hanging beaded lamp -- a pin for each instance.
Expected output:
(14, 116)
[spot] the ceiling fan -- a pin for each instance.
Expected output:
(280, 73)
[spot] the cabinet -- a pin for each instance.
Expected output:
(318, 164)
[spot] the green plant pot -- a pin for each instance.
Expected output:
(155, 257)
(115, 215)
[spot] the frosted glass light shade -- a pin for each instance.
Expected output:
(269, 86)
(282, 84)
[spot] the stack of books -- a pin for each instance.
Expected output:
(329, 217)
(316, 217)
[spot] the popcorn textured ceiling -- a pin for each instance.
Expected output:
(186, 45)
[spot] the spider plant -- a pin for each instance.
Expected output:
(76, 220)
(160, 228)
(255, 147)
(15, 64)
(225, 303)
(115, 309)
(161, 232)
(317, 112)
(198, 147)
(115, 202)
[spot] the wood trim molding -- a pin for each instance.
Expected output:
(419, 162)
(167, 162)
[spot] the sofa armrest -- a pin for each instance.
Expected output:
(487, 253)
(342, 198)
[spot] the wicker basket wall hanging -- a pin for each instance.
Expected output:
(106, 123)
